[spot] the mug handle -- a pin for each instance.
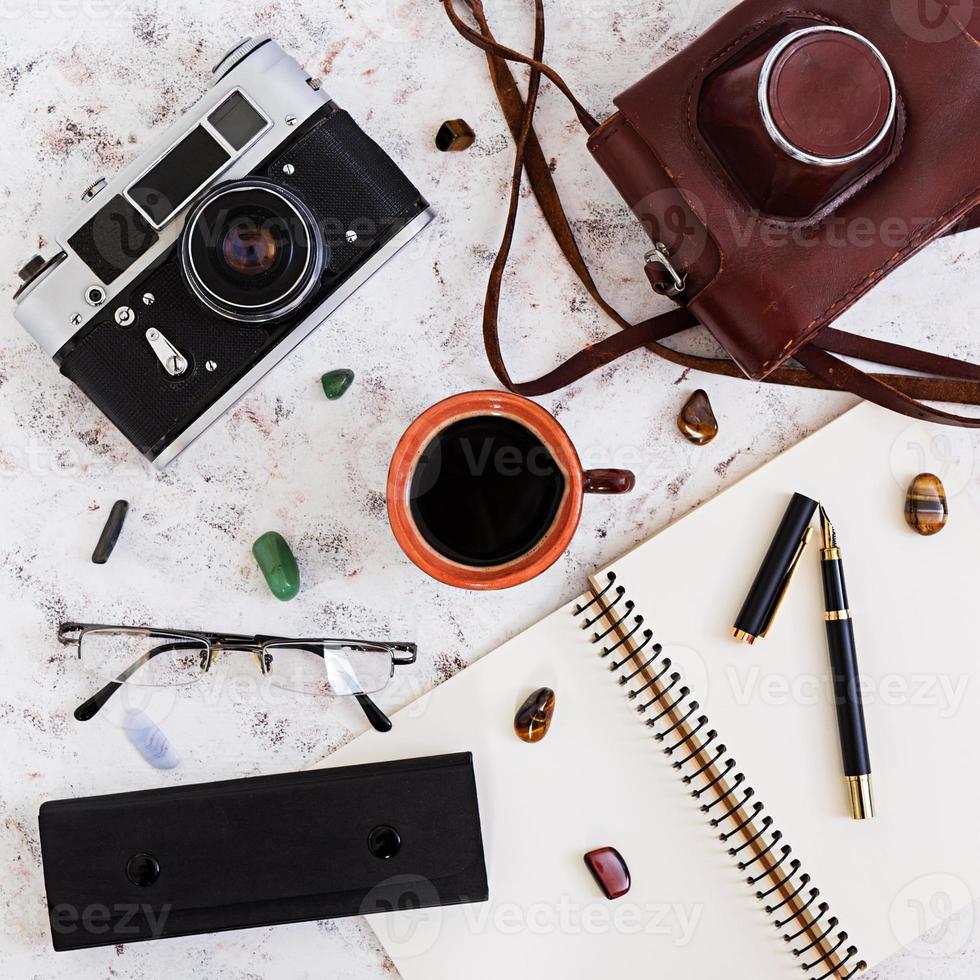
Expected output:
(608, 481)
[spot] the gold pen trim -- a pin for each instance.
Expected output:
(743, 637)
(837, 615)
(790, 572)
(861, 793)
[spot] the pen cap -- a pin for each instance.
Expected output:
(777, 569)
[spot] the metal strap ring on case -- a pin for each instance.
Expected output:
(776, 133)
(660, 254)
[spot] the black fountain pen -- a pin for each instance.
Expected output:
(847, 685)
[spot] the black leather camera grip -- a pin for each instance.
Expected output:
(255, 852)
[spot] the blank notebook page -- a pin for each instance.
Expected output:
(599, 779)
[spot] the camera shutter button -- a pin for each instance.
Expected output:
(828, 96)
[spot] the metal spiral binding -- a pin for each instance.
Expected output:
(659, 696)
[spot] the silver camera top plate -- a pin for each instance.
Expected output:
(53, 307)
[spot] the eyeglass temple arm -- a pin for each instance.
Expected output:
(379, 720)
(90, 708)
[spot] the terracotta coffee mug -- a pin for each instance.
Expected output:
(499, 474)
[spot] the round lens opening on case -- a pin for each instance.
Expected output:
(252, 251)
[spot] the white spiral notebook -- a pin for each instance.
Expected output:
(601, 778)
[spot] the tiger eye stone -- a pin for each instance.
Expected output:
(533, 718)
(455, 135)
(697, 420)
(926, 507)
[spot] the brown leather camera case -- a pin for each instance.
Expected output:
(765, 294)
(783, 164)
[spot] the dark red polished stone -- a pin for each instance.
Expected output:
(610, 871)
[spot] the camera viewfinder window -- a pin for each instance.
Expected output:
(237, 120)
(173, 181)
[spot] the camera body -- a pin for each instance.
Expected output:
(204, 262)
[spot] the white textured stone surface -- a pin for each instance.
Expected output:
(85, 84)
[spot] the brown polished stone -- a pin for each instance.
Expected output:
(455, 135)
(926, 508)
(697, 421)
(533, 718)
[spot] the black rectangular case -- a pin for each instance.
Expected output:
(260, 851)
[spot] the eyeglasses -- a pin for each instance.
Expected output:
(145, 656)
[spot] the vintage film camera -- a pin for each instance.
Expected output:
(205, 261)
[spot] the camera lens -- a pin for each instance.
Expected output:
(252, 251)
(249, 249)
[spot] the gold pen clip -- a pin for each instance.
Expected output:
(808, 534)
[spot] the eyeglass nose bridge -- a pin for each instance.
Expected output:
(263, 659)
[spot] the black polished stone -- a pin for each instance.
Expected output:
(110, 533)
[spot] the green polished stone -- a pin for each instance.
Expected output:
(335, 383)
(278, 565)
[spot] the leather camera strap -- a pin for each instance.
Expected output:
(949, 380)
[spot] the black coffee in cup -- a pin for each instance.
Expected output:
(485, 491)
